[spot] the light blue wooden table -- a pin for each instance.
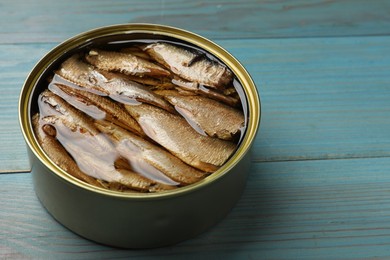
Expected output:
(320, 181)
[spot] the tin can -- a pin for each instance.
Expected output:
(137, 220)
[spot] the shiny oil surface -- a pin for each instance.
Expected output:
(103, 98)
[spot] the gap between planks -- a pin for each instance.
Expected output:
(253, 161)
(217, 39)
(319, 158)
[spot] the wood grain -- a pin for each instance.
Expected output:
(321, 98)
(16, 61)
(319, 209)
(48, 21)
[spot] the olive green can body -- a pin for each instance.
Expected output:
(137, 220)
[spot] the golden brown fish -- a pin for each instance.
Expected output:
(135, 148)
(126, 63)
(93, 152)
(98, 161)
(134, 181)
(137, 51)
(173, 133)
(130, 92)
(46, 136)
(82, 74)
(52, 105)
(154, 83)
(192, 66)
(96, 158)
(117, 86)
(213, 117)
(97, 107)
(74, 128)
(210, 93)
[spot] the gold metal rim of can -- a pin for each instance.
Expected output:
(253, 101)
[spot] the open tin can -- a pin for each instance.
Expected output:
(133, 219)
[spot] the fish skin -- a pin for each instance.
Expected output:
(117, 86)
(97, 158)
(93, 152)
(113, 112)
(139, 183)
(153, 83)
(122, 89)
(213, 117)
(96, 155)
(182, 85)
(51, 104)
(162, 160)
(137, 51)
(77, 133)
(82, 74)
(125, 63)
(189, 65)
(57, 153)
(177, 136)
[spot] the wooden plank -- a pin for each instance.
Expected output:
(16, 61)
(53, 21)
(321, 98)
(320, 209)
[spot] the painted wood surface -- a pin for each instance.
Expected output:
(317, 209)
(319, 185)
(16, 61)
(53, 21)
